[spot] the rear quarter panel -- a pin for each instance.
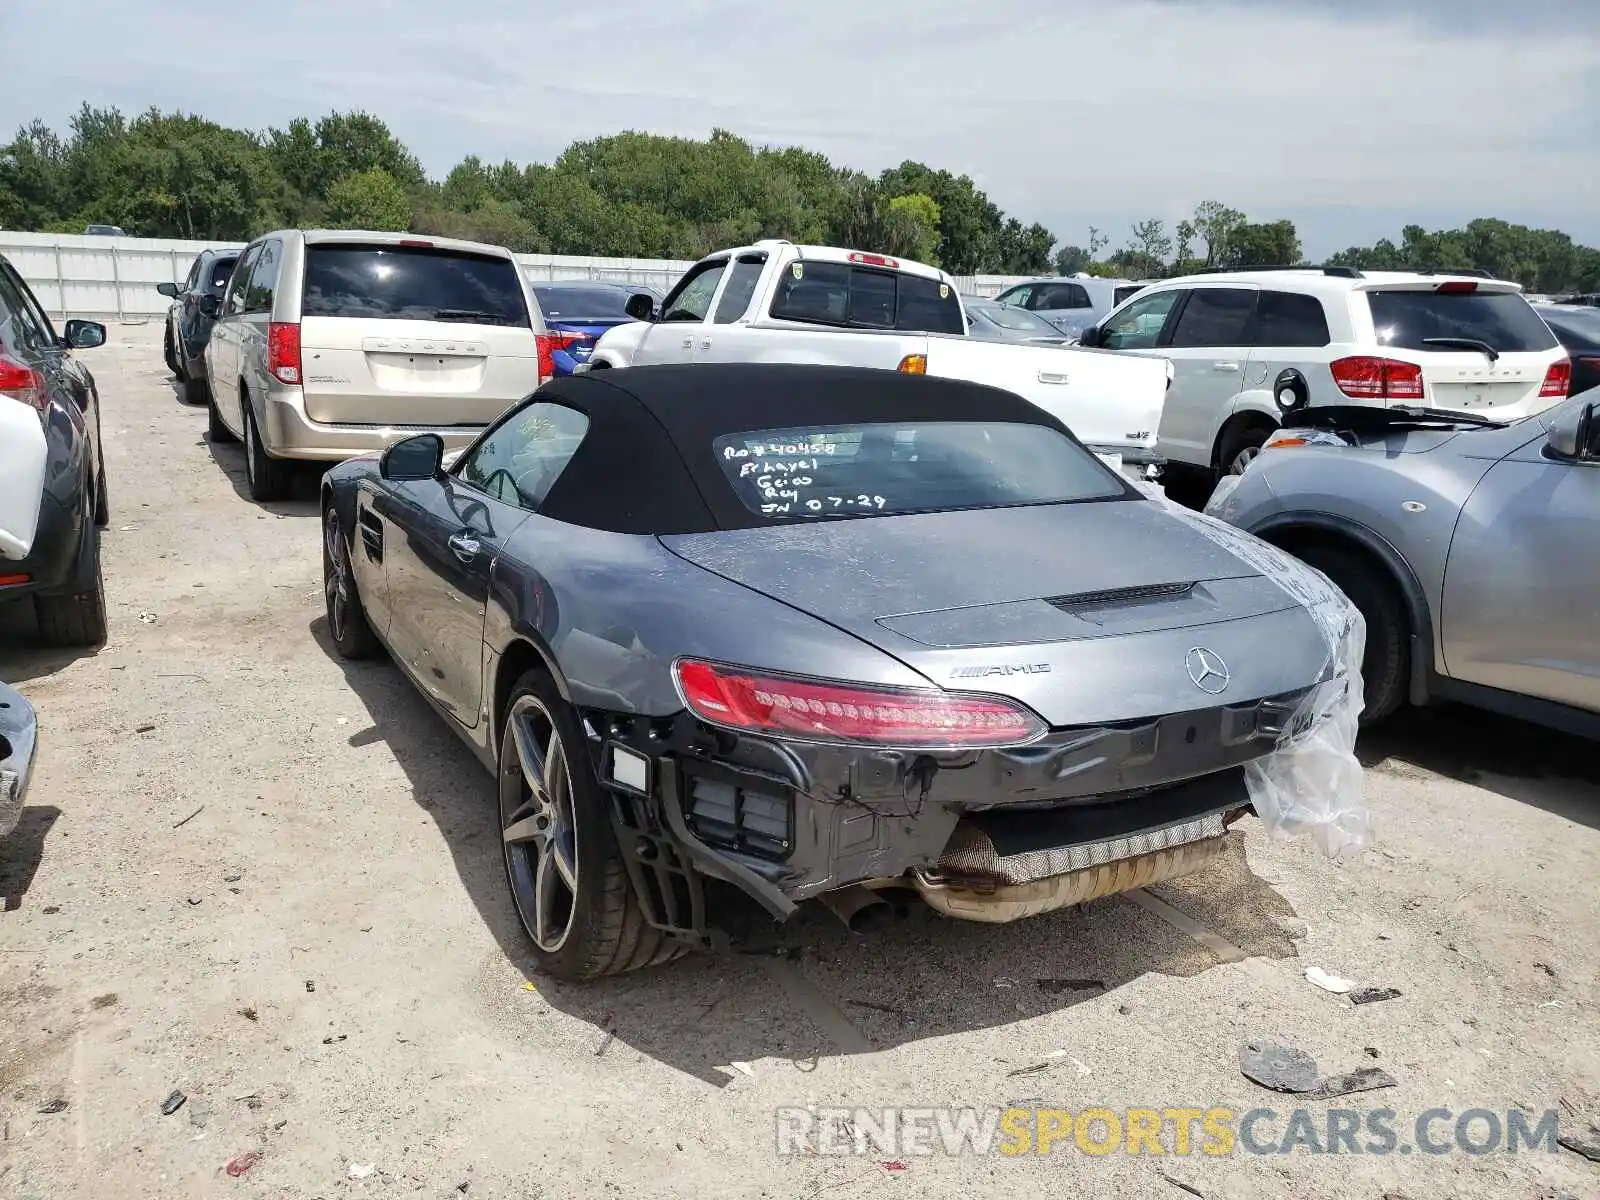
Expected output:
(612, 612)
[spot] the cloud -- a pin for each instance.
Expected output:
(1348, 116)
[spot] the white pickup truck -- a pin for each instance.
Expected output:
(779, 302)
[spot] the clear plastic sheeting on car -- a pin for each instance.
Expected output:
(1311, 784)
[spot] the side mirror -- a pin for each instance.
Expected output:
(210, 305)
(1090, 336)
(84, 335)
(418, 457)
(170, 290)
(641, 306)
(1291, 390)
(1572, 435)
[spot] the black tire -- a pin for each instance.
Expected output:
(168, 352)
(1385, 667)
(267, 477)
(196, 391)
(216, 431)
(1241, 444)
(348, 629)
(102, 499)
(606, 932)
(76, 618)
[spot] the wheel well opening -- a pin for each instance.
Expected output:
(1235, 423)
(519, 658)
(1298, 540)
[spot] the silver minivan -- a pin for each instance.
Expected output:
(329, 343)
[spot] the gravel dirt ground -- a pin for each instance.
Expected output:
(271, 880)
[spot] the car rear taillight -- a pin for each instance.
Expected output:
(818, 710)
(1557, 380)
(1456, 287)
(283, 352)
(873, 260)
(1363, 377)
(22, 383)
(564, 339)
(546, 343)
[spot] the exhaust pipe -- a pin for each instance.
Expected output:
(861, 910)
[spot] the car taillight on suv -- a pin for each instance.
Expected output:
(1557, 380)
(283, 352)
(22, 383)
(1363, 377)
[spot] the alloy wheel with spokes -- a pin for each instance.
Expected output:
(347, 620)
(568, 881)
(539, 826)
(1243, 459)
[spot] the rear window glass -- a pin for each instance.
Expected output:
(1018, 319)
(412, 283)
(221, 268)
(1502, 319)
(1118, 295)
(894, 467)
(581, 303)
(1574, 324)
(826, 293)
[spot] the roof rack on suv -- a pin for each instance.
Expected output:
(1339, 272)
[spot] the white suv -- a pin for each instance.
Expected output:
(1247, 345)
(331, 343)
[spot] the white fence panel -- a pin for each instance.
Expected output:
(115, 277)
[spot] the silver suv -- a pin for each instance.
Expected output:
(331, 343)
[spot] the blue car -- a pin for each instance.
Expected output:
(578, 311)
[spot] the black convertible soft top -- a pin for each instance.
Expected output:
(647, 464)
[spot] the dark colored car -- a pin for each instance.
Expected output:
(19, 736)
(195, 302)
(1577, 328)
(578, 311)
(769, 624)
(52, 474)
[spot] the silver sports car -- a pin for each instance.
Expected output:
(814, 631)
(1472, 548)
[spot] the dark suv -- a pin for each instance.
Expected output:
(189, 320)
(52, 474)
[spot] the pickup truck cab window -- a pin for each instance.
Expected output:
(691, 299)
(852, 297)
(742, 281)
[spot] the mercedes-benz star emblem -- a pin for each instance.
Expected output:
(1206, 668)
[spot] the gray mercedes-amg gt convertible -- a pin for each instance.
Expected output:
(817, 631)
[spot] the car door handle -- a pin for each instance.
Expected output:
(1224, 366)
(464, 546)
(688, 343)
(705, 343)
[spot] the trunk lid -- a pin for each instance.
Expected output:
(1502, 378)
(385, 372)
(1111, 401)
(413, 333)
(1083, 612)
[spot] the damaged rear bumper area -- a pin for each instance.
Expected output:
(986, 835)
(19, 736)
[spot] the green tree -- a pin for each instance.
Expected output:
(911, 228)
(368, 200)
(1024, 251)
(969, 224)
(1273, 243)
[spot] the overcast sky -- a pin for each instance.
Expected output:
(1351, 117)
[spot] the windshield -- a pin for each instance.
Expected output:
(1019, 320)
(880, 468)
(832, 293)
(580, 304)
(1415, 320)
(412, 283)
